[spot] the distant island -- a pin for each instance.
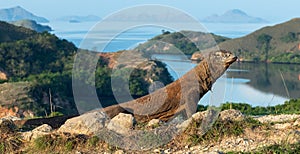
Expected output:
(78, 19)
(233, 16)
(19, 13)
(33, 25)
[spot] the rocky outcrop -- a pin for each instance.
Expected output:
(122, 123)
(197, 56)
(37, 132)
(153, 123)
(3, 76)
(12, 95)
(232, 115)
(89, 124)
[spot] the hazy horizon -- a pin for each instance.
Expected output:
(276, 12)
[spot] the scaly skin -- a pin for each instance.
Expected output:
(179, 96)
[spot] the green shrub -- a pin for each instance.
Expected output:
(69, 145)
(54, 114)
(219, 130)
(2, 147)
(93, 141)
(42, 143)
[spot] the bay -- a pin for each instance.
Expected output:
(255, 84)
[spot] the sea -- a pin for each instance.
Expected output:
(255, 84)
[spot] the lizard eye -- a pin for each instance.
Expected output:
(227, 55)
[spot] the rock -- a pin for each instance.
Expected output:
(297, 123)
(7, 126)
(282, 126)
(89, 124)
(43, 128)
(3, 75)
(199, 116)
(182, 126)
(197, 56)
(153, 123)
(37, 132)
(233, 115)
(122, 123)
(119, 152)
(277, 118)
(12, 118)
(167, 151)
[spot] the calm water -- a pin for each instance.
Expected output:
(256, 84)
(76, 32)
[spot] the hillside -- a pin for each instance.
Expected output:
(19, 13)
(279, 43)
(39, 65)
(180, 42)
(31, 24)
(42, 61)
(9, 32)
(233, 16)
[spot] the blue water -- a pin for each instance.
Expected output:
(76, 33)
(233, 89)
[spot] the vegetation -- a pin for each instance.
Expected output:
(181, 41)
(219, 130)
(263, 42)
(289, 107)
(290, 37)
(31, 24)
(45, 63)
(276, 148)
(10, 143)
(11, 33)
(269, 44)
(66, 143)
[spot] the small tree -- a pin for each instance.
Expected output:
(263, 41)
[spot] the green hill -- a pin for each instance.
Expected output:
(186, 42)
(33, 25)
(24, 52)
(279, 43)
(9, 32)
(42, 60)
(39, 66)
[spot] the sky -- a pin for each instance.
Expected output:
(274, 11)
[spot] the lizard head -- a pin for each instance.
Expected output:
(219, 61)
(223, 57)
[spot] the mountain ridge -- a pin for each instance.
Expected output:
(33, 25)
(19, 13)
(233, 16)
(278, 44)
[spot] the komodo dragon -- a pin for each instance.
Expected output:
(181, 95)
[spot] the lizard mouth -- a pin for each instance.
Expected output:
(230, 60)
